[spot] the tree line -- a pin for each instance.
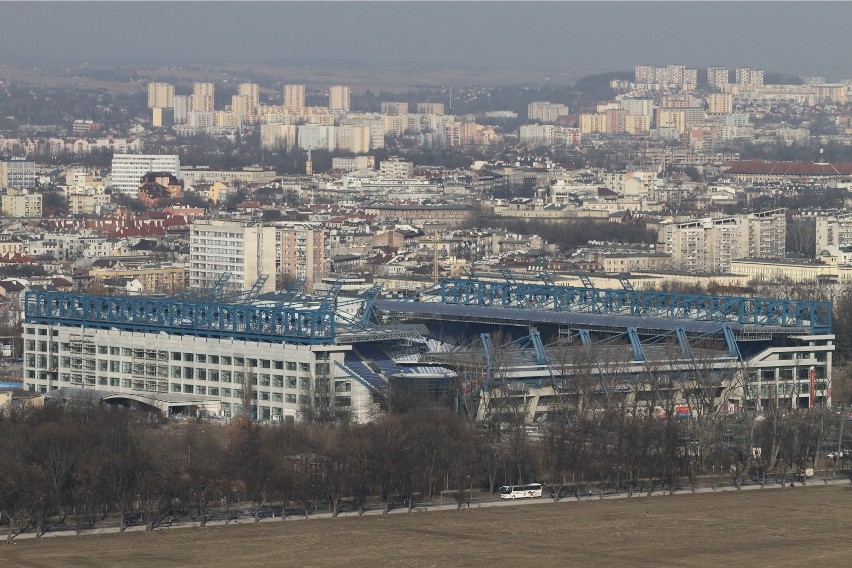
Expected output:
(85, 464)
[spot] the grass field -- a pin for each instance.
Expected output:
(779, 527)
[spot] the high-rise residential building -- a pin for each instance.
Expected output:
(202, 97)
(638, 106)
(394, 108)
(430, 108)
(161, 95)
(545, 111)
(717, 77)
(709, 245)
(251, 92)
(182, 107)
(316, 137)
(18, 173)
(593, 123)
(339, 97)
(128, 170)
(355, 139)
(749, 76)
(294, 96)
(300, 251)
(720, 103)
(278, 136)
(246, 250)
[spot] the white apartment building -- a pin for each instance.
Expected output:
(128, 169)
(749, 76)
(717, 77)
(243, 249)
(833, 231)
(19, 173)
(536, 134)
(396, 167)
(545, 111)
(316, 137)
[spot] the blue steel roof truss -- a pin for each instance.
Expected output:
(239, 321)
(816, 316)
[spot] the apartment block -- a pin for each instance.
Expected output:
(545, 111)
(394, 108)
(20, 203)
(339, 98)
(161, 95)
(294, 96)
(202, 97)
(128, 169)
(430, 108)
(720, 103)
(245, 250)
(710, 244)
(717, 77)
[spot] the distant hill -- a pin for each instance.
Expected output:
(596, 87)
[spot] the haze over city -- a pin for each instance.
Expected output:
(575, 37)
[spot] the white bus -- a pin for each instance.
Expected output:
(520, 491)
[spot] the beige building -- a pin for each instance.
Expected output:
(671, 118)
(720, 103)
(277, 136)
(252, 92)
(593, 123)
(294, 96)
(161, 95)
(164, 278)
(19, 203)
(339, 97)
(430, 108)
(355, 139)
(86, 203)
(300, 251)
(202, 97)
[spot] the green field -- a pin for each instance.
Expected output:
(778, 527)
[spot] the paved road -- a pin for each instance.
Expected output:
(111, 527)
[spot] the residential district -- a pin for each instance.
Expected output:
(279, 250)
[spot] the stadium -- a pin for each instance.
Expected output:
(475, 344)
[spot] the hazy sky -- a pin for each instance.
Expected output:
(555, 36)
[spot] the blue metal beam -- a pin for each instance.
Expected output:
(636, 344)
(814, 316)
(540, 355)
(206, 319)
(684, 342)
(585, 338)
(733, 348)
(489, 354)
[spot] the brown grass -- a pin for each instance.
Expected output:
(778, 527)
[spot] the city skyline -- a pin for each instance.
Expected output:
(569, 37)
